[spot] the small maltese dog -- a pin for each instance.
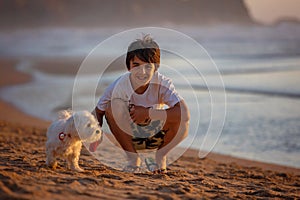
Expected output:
(66, 134)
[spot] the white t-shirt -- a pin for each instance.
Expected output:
(160, 92)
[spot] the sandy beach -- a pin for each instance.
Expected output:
(23, 174)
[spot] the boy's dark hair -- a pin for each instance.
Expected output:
(146, 49)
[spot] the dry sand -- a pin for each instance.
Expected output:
(23, 174)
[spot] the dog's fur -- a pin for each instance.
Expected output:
(66, 134)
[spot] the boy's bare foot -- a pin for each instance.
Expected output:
(133, 162)
(161, 161)
(132, 169)
(154, 167)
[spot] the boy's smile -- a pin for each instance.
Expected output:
(141, 74)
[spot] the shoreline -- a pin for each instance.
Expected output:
(22, 149)
(9, 113)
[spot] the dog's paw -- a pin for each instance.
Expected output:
(78, 169)
(52, 165)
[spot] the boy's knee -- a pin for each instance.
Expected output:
(185, 130)
(179, 129)
(185, 114)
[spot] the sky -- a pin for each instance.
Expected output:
(268, 11)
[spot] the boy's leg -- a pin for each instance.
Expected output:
(117, 115)
(172, 138)
(175, 133)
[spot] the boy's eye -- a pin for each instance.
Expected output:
(135, 65)
(148, 66)
(88, 125)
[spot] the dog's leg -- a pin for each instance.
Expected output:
(73, 158)
(73, 163)
(51, 160)
(69, 161)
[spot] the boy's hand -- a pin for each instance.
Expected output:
(139, 114)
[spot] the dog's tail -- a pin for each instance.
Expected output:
(64, 114)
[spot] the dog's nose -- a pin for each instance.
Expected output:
(97, 131)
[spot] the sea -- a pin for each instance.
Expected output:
(241, 83)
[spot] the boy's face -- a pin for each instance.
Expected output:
(141, 72)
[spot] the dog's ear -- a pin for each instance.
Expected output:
(70, 126)
(64, 114)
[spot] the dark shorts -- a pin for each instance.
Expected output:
(148, 136)
(153, 142)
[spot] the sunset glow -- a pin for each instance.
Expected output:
(269, 11)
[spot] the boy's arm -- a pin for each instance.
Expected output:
(179, 111)
(104, 100)
(99, 114)
(176, 113)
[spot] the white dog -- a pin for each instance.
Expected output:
(66, 134)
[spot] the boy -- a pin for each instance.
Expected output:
(133, 107)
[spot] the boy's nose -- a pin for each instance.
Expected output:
(143, 70)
